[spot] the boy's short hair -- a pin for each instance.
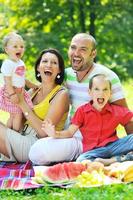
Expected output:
(96, 75)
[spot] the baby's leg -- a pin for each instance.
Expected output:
(17, 121)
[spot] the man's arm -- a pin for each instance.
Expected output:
(121, 102)
(128, 127)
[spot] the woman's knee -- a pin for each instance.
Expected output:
(35, 153)
(41, 152)
(3, 146)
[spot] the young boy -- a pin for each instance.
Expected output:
(97, 122)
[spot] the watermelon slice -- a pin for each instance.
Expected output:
(60, 173)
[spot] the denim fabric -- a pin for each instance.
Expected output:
(119, 147)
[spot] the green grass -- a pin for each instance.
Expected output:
(110, 192)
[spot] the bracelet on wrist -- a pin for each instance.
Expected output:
(26, 114)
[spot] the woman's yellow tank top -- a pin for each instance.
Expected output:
(42, 108)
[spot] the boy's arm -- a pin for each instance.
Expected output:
(49, 128)
(68, 133)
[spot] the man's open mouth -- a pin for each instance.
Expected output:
(77, 60)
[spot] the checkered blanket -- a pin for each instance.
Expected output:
(17, 176)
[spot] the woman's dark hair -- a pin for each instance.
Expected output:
(61, 65)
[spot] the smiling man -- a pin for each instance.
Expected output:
(82, 52)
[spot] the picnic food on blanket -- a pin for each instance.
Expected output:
(94, 175)
(123, 171)
(95, 178)
(84, 174)
(61, 172)
(95, 166)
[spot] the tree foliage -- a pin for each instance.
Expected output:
(52, 23)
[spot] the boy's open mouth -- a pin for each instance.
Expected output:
(100, 100)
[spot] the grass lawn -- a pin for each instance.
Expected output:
(112, 192)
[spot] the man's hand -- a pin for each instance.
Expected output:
(49, 128)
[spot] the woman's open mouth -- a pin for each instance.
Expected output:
(48, 73)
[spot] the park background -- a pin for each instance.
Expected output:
(52, 23)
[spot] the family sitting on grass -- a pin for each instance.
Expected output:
(91, 134)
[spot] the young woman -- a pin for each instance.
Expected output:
(50, 100)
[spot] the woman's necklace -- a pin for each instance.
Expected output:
(79, 80)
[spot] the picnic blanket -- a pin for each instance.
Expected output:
(17, 176)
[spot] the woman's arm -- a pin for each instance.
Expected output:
(58, 106)
(29, 114)
(29, 84)
(10, 90)
(8, 83)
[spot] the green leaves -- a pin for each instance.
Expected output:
(52, 23)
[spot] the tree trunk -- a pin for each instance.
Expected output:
(71, 8)
(82, 15)
(92, 18)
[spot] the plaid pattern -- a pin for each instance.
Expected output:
(17, 176)
(8, 106)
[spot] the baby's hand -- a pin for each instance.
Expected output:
(49, 128)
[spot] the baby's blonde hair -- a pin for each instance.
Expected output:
(9, 36)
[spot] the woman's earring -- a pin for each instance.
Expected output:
(58, 76)
(38, 75)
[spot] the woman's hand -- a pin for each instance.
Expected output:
(14, 98)
(49, 128)
(21, 98)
